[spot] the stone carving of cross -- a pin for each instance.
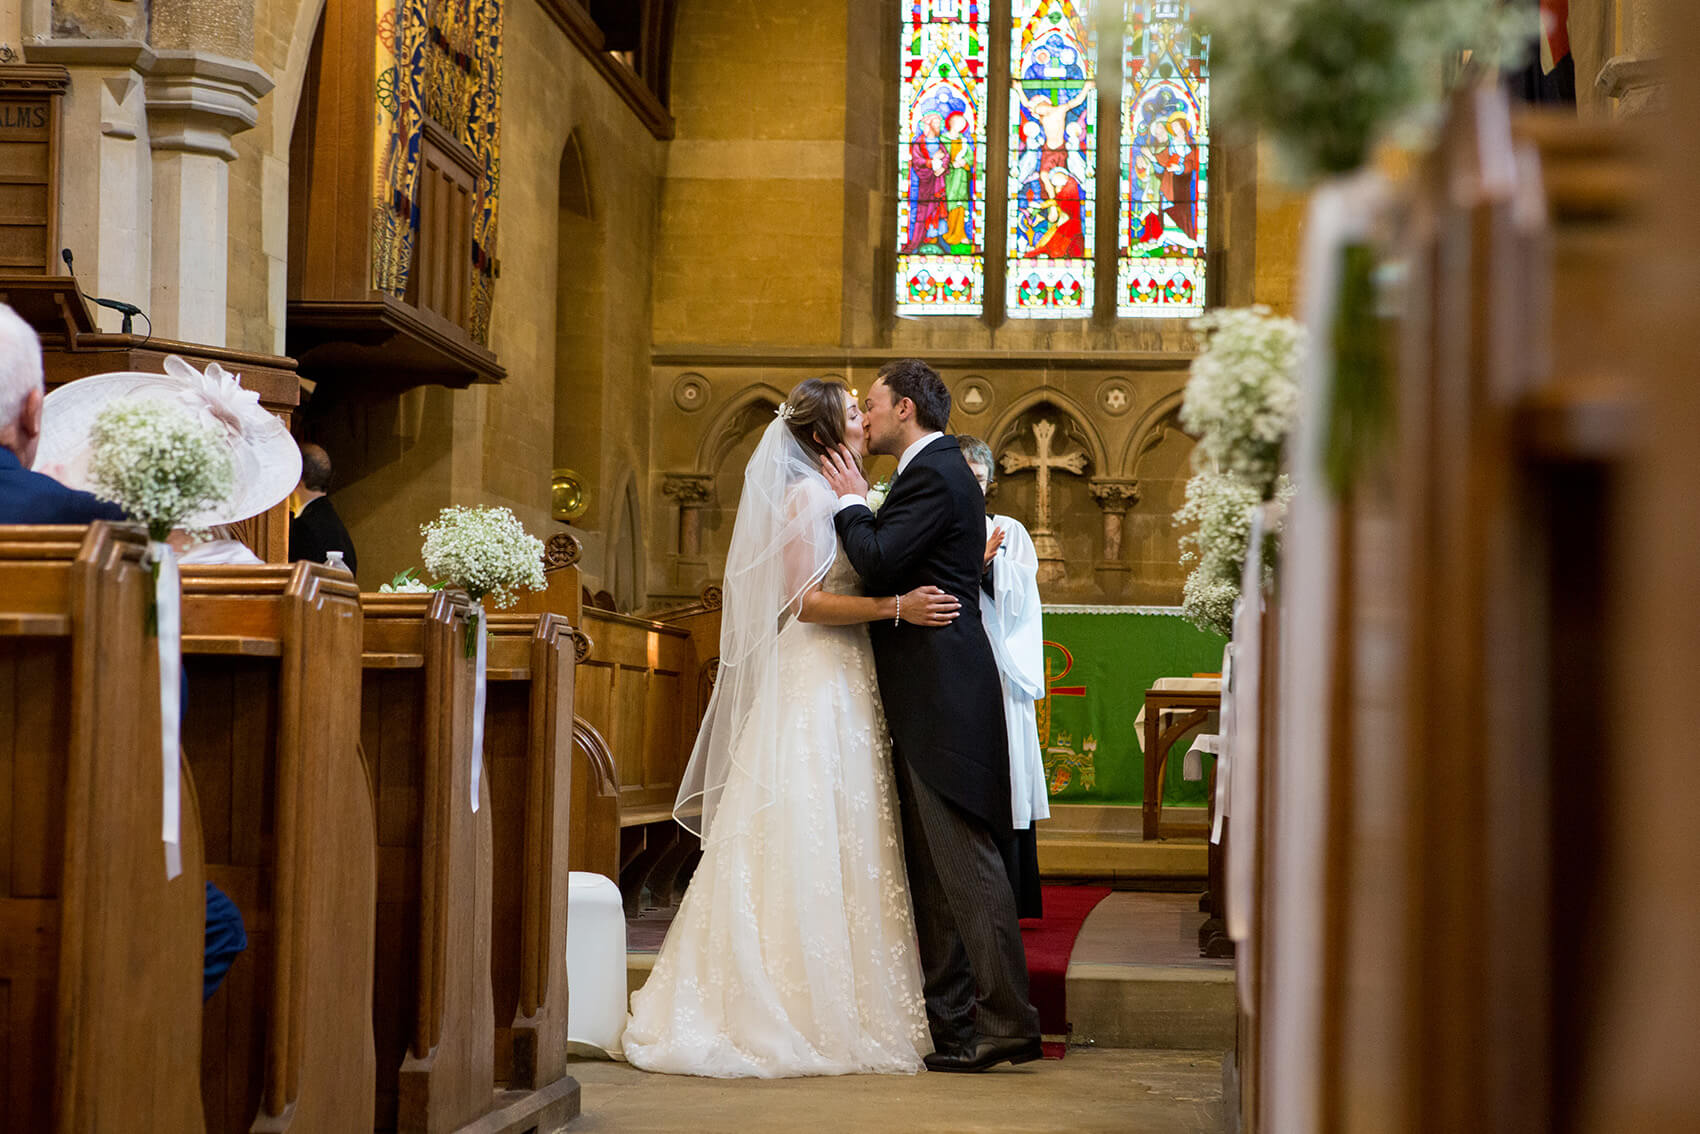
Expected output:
(1042, 462)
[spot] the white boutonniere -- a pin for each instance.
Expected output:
(877, 495)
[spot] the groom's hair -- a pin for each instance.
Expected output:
(815, 411)
(913, 379)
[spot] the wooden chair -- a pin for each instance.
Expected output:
(272, 734)
(528, 758)
(100, 953)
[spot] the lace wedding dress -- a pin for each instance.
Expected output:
(794, 951)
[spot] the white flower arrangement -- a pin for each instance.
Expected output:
(486, 552)
(1328, 79)
(1243, 393)
(1241, 401)
(158, 462)
(877, 495)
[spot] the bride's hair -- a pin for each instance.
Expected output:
(815, 412)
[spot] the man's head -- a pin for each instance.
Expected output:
(978, 454)
(315, 471)
(907, 401)
(20, 386)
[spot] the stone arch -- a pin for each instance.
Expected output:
(748, 408)
(999, 434)
(1159, 419)
(292, 76)
(623, 565)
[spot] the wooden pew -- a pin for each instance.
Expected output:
(638, 689)
(100, 955)
(433, 1008)
(593, 837)
(272, 734)
(528, 740)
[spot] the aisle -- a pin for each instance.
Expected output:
(1152, 1092)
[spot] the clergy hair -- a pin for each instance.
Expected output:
(315, 468)
(20, 365)
(977, 452)
(816, 413)
(913, 379)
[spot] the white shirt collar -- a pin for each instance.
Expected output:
(910, 453)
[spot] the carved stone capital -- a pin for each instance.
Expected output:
(1637, 82)
(562, 551)
(691, 490)
(1114, 496)
(197, 101)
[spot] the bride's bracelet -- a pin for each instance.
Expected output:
(897, 614)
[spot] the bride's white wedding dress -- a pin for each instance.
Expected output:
(794, 951)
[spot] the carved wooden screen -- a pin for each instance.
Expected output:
(441, 279)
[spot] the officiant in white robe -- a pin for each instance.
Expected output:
(1012, 617)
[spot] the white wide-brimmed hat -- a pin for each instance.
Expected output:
(264, 456)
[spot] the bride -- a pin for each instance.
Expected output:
(793, 952)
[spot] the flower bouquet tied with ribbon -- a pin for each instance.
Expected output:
(487, 553)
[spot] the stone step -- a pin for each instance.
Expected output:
(1102, 842)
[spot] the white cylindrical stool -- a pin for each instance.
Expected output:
(596, 964)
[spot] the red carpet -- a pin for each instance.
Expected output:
(1049, 941)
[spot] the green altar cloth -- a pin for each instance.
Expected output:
(1099, 661)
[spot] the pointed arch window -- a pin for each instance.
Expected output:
(1154, 183)
(941, 177)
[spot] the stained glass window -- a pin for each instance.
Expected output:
(941, 213)
(1165, 161)
(1053, 120)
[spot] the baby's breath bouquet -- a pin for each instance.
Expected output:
(486, 552)
(1240, 400)
(158, 462)
(1328, 79)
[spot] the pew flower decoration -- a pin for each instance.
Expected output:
(877, 495)
(1241, 400)
(158, 462)
(486, 552)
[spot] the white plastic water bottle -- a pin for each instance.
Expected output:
(334, 559)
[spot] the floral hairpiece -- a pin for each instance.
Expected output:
(785, 412)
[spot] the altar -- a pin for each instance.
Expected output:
(1099, 661)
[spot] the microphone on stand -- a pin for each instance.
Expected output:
(128, 310)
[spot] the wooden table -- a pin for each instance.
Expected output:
(1190, 708)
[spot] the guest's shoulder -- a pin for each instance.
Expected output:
(28, 497)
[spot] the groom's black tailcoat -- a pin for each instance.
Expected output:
(943, 701)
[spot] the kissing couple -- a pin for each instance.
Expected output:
(851, 784)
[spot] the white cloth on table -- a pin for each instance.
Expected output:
(1012, 617)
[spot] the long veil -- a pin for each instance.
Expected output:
(783, 542)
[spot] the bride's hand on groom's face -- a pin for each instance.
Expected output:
(843, 473)
(929, 606)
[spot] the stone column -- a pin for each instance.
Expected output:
(1113, 497)
(1635, 78)
(693, 492)
(196, 101)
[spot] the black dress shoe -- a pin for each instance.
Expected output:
(986, 1052)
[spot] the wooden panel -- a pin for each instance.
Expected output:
(528, 760)
(433, 1020)
(100, 954)
(651, 710)
(273, 741)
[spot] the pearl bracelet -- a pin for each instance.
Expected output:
(897, 616)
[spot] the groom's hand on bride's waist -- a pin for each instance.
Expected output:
(844, 474)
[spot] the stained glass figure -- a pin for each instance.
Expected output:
(941, 213)
(1165, 161)
(1053, 119)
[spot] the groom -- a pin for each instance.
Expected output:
(945, 709)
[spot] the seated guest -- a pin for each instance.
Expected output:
(1011, 614)
(28, 497)
(31, 497)
(316, 530)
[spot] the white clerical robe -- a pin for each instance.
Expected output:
(1013, 623)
